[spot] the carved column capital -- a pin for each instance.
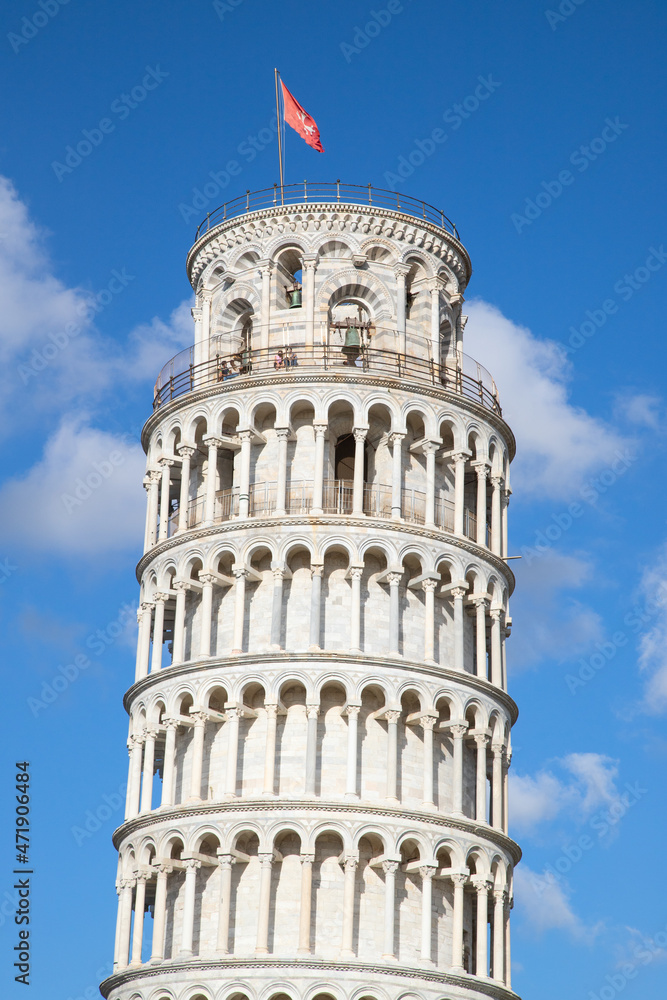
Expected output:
(390, 867)
(427, 871)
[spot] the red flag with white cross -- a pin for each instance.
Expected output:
(300, 120)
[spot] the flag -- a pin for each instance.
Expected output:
(300, 120)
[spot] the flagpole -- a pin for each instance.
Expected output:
(280, 141)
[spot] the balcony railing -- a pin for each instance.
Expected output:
(325, 193)
(336, 499)
(460, 374)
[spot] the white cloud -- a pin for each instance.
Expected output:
(641, 409)
(653, 642)
(596, 775)
(52, 356)
(545, 796)
(550, 624)
(83, 497)
(544, 905)
(559, 446)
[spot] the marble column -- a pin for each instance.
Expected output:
(148, 771)
(240, 576)
(459, 880)
(320, 431)
(392, 718)
(225, 862)
(200, 720)
(458, 593)
(316, 571)
(358, 488)
(394, 580)
(459, 460)
(429, 586)
(389, 868)
(244, 473)
(160, 913)
(139, 910)
(349, 886)
(312, 714)
(427, 723)
(282, 433)
(165, 465)
(355, 574)
(352, 713)
(186, 453)
(306, 903)
(171, 726)
(191, 867)
(270, 749)
(396, 441)
(264, 904)
(158, 631)
(181, 587)
(427, 872)
(481, 743)
(206, 580)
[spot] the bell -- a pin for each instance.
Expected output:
(294, 298)
(352, 345)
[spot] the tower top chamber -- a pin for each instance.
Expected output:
(320, 726)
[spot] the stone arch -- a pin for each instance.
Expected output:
(357, 286)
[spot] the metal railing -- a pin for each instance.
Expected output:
(337, 498)
(323, 192)
(461, 374)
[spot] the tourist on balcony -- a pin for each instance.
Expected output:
(279, 361)
(291, 358)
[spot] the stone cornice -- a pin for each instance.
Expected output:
(453, 245)
(276, 657)
(269, 808)
(365, 971)
(366, 378)
(336, 520)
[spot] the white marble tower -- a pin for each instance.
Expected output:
(319, 722)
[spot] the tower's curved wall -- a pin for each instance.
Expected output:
(319, 724)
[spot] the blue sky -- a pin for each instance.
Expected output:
(554, 179)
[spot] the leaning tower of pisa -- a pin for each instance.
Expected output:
(319, 721)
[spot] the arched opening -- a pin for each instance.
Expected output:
(244, 894)
(332, 743)
(369, 929)
(290, 740)
(327, 901)
(285, 898)
(252, 742)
